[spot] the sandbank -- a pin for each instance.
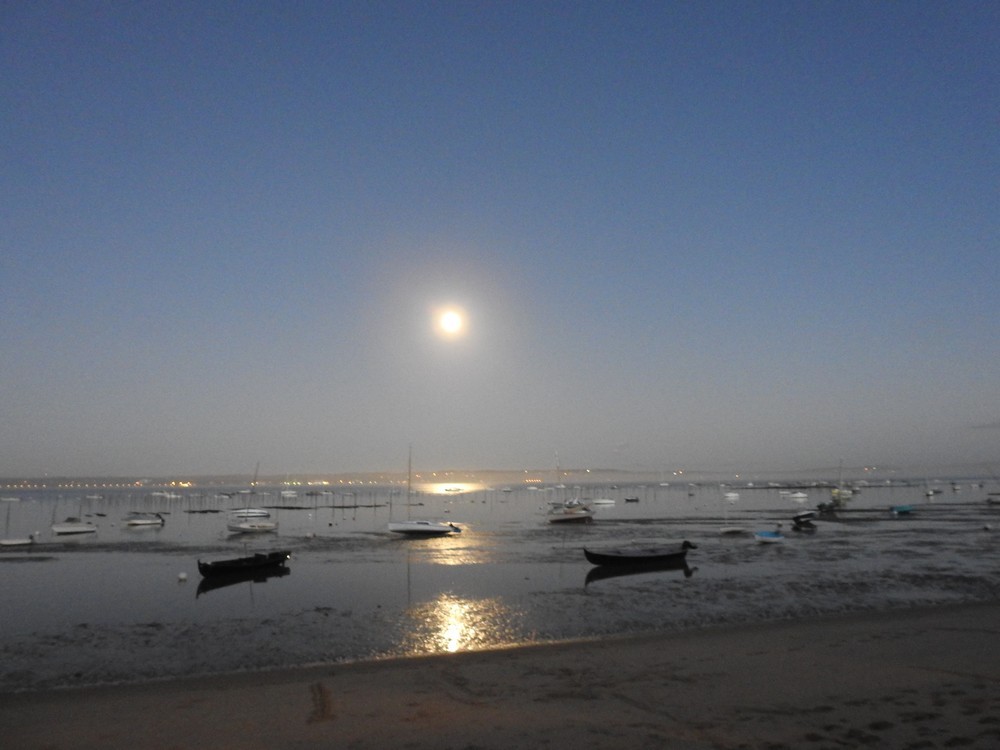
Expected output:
(915, 678)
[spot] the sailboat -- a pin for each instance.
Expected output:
(14, 541)
(249, 520)
(572, 510)
(73, 525)
(418, 527)
(730, 498)
(840, 494)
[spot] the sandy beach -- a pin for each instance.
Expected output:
(914, 678)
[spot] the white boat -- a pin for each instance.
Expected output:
(144, 519)
(18, 542)
(251, 525)
(423, 528)
(418, 527)
(571, 511)
(603, 501)
(73, 525)
(798, 497)
(247, 520)
(236, 515)
(15, 541)
(249, 513)
(840, 494)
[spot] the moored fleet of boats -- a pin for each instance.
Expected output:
(607, 562)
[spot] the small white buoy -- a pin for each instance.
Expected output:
(182, 577)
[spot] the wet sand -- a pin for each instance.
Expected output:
(917, 678)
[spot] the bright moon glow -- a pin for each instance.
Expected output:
(451, 323)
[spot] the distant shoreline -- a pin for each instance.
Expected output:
(498, 479)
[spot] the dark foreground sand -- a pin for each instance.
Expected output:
(927, 678)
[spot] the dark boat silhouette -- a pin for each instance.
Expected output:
(256, 561)
(630, 556)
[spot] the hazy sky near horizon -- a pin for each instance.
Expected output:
(683, 235)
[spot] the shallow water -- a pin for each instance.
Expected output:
(110, 607)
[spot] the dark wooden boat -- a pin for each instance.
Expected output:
(255, 562)
(639, 556)
(803, 522)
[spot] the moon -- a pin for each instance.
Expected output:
(451, 323)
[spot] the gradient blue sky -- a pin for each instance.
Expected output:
(730, 235)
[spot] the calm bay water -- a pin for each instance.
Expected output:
(110, 606)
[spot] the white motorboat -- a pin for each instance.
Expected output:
(73, 525)
(249, 513)
(418, 527)
(144, 519)
(18, 541)
(251, 525)
(423, 528)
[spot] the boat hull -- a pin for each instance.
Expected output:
(423, 528)
(145, 520)
(768, 537)
(251, 526)
(250, 513)
(20, 542)
(65, 529)
(732, 531)
(244, 565)
(640, 556)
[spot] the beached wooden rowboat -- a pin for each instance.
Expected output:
(637, 556)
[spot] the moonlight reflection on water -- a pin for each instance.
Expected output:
(450, 623)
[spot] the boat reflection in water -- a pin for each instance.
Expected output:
(222, 580)
(600, 572)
